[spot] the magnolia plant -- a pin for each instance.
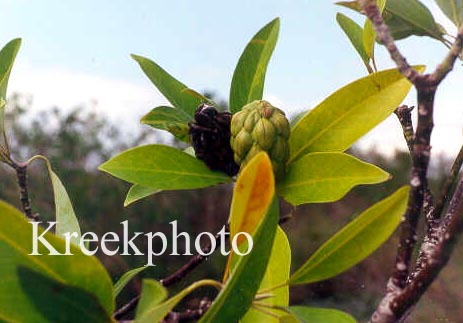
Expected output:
(267, 158)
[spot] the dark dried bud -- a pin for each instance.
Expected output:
(210, 137)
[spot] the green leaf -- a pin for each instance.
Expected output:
(406, 18)
(355, 33)
(79, 270)
(65, 217)
(453, 9)
(349, 113)
(326, 177)
(158, 312)
(64, 212)
(249, 76)
(411, 17)
(171, 88)
(58, 302)
(7, 57)
(355, 241)
(237, 295)
(138, 192)
(153, 293)
(320, 315)
(162, 167)
(125, 279)
(277, 273)
(166, 118)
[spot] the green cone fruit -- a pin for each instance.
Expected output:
(259, 126)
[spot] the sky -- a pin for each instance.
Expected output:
(78, 52)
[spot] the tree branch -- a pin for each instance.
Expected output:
(21, 175)
(446, 66)
(127, 308)
(404, 114)
(21, 178)
(398, 298)
(189, 314)
(437, 256)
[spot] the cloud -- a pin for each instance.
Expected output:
(119, 100)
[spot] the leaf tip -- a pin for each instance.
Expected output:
(420, 68)
(102, 167)
(136, 57)
(17, 41)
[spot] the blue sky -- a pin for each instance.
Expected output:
(78, 52)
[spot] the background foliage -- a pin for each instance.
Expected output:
(97, 197)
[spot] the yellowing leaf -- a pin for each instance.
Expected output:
(349, 113)
(252, 196)
(368, 39)
(369, 35)
(355, 34)
(239, 291)
(253, 193)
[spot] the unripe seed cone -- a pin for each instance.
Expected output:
(259, 126)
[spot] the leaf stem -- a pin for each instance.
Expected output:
(273, 307)
(271, 289)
